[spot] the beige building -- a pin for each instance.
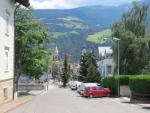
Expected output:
(7, 48)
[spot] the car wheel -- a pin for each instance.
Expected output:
(91, 96)
(108, 95)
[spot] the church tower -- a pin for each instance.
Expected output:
(56, 54)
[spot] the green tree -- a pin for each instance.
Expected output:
(88, 67)
(91, 75)
(66, 71)
(32, 58)
(83, 66)
(134, 40)
(91, 59)
(92, 67)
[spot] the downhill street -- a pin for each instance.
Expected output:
(67, 101)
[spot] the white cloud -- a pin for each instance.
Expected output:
(51, 4)
(67, 4)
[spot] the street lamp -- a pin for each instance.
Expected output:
(118, 40)
(118, 67)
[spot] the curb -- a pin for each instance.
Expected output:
(18, 105)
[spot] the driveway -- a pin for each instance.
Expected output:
(67, 101)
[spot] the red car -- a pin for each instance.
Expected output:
(97, 91)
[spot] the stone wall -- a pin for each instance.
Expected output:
(31, 87)
(125, 91)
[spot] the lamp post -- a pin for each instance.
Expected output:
(118, 70)
(118, 59)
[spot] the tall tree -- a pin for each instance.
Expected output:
(66, 71)
(32, 58)
(92, 67)
(88, 67)
(83, 66)
(134, 40)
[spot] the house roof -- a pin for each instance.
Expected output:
(23, 2)
(103, 50)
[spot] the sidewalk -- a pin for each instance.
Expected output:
(13, 104)
(23, 99)
(143, 105)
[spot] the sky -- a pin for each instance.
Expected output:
(68, 4)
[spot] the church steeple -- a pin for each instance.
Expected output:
(56, 54)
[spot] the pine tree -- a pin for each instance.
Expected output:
(92, 67)
(91, 76)
(88, 67)
(83, 66)
(66, 71)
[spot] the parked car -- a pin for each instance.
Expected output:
(96, 91)
(78, 84)
(83, 86)
(74, 85)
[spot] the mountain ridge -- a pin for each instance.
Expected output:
(69, 28)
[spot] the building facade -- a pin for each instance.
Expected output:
(106, 63)
(6, 50)
(7, 8)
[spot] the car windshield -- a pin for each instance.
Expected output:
(87, 88)
(99, 88)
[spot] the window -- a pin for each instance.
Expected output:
(87, 88)
(99, 88)
(109, 69)
(6, 59)
(7, 22)
(5, 92)
(94, 88)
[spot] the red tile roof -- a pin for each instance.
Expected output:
(23, 2)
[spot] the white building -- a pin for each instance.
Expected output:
(106, 63)
(7, 48)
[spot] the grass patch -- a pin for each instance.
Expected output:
(98, 37)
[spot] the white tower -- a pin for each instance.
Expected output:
(56, 54)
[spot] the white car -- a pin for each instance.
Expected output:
(74, 85)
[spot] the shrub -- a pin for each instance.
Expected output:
(123, 80)
(140, 84)
(111, 83)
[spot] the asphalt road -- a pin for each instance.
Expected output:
(67, 101)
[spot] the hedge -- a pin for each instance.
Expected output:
(140, 84)
(111, 83)
(123, 80)
(137, 83)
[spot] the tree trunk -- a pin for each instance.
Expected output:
(16, 79)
